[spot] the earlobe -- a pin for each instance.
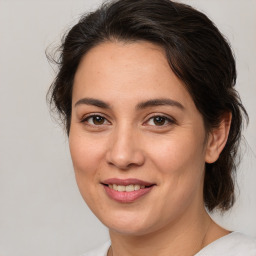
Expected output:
(217, 139)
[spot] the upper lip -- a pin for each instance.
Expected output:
(126, 182)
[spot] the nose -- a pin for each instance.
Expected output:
(125, 150)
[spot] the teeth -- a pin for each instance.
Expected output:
(136, 187)
(128, 188)
(121, 188)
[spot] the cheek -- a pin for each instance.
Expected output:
(180, 161)
(85, 153)
(177, 154)
(181, 167)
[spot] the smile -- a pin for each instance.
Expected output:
(127, 190)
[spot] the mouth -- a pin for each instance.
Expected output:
(129, 188)
(126, 190)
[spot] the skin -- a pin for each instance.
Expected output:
(127, 142)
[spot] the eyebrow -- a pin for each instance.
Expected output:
(94, 102)
(142, 105)
(159, 102)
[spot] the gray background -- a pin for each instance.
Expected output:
(41, 211)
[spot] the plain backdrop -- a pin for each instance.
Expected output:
(41, 210)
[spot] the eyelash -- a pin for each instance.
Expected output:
(85, 120)
(167, 120)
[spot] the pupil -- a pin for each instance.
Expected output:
(98, 120)
(159, 120)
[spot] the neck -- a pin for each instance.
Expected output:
(186, 236)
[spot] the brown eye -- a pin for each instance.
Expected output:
(159, 120)
(95, 120)
(98, 120)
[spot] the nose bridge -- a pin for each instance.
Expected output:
(124, 148)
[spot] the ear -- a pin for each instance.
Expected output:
(217, 139)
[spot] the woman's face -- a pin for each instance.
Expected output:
(137, 141)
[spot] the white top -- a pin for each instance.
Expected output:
(233, 244)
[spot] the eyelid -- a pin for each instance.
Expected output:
(170, 120)
(90, 115)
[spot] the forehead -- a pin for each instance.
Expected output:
(126, 70)
(109, 58)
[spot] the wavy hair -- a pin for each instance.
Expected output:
(197, 53)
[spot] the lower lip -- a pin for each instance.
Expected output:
(126, 197)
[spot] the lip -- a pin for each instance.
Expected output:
(126, 182)
(127, 197)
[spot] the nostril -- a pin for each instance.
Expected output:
(125, 161)
(124, 152)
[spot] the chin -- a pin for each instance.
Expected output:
(128, 224)
(129, 230)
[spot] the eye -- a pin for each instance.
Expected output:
(160, 121)
(95, 120)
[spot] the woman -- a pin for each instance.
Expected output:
(146, 91)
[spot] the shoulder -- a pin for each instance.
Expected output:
(233, 244)
(100, 251)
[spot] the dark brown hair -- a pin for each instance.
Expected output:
(197, 53)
